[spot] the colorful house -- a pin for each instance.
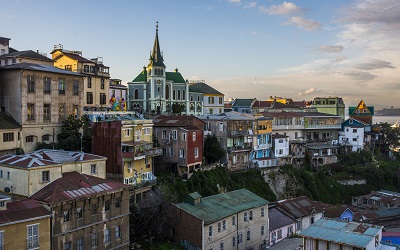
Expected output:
(362, 112)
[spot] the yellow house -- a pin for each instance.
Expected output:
(25, 224)
(97, 76)
(26, 174)
(10, 135)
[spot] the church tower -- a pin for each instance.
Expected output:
(156, 77)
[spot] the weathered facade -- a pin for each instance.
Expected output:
(10, 135)
(39, 98)
(87, 212)
(233, 220)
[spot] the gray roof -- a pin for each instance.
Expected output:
(243, 102)
(39, 67)
(278, 219)
(231, 115)
(201, 87)
(27, 54)
(216, 207)
(347, 233)
(7, 122)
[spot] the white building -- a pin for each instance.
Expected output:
(352, 134)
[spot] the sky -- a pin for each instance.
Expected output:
(243, 48)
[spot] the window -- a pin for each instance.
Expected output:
(85, 68)
(76, 87)
(30, 111)
(251, 215)
(222, 246)
(31, 83)
(102, 83)
(66, 215)
(79, 244)
(107, 237)
(45, 176)
(220, 100)
(245, 216)
(233, 220)
(95, 240)
(262, 230)
(224, 225)
(102, 99)
(164, 134)
(196, 152)
(8, 137)
(93, 169)
(248, 235)
(262, 212)
(354, 130)
(61, 86)
(181, 153)
(280, 234)
(298, 225)
(194, 136)
(210, 231)
(89, 98)
(1, 173)
(354, 139)
(67, 245)
(118, 232)
(221, 126)
(79, 213)
(92, 69)
(240, 238)
(183, 136)
(75, 109)
(32, 236)
(118, 203)
(89, 82)
(8, 175)
(46, 112)
(211, 100)
(107, 205)
(174, 135)
(47, 85)
(1, 240)
(171, 152)
(5, 61)
(233, 241)
(219, 227)
(94, 209)
(61, 111)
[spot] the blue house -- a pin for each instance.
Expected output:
(339, 213)
(391, 238)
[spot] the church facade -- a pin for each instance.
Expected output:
(157, 91)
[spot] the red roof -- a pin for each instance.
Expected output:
(22, 210)
(175, 121)
(73, 185)
(77, 57)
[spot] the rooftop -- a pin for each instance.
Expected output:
(72, 185)
(22, 210)
(300, 206)
(39, 67)
(217, 207)
(201, 87)
(7, 122)
(174, 121)
(348, 233)
(27, 54)
(278, 219)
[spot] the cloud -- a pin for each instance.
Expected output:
(286, 8)
(385, 12)
(303, 23)
(250, 5)
(340, 58)
(331, 48)
(308, 91)
(360, 75)
(375, 64)
(234, 1)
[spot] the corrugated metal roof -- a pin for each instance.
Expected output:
(39, 67)
(300, 206)
(278, 219)
(348, 233)
(217, 207)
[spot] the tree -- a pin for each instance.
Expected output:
(213, 150)
(177, 108)
(71, 131)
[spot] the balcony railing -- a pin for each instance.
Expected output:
(323, 126)
(240, 132)
(134, 155)
(153, 152)
(240, 148)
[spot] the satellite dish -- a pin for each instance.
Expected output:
(7, 189)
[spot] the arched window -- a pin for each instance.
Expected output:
(167, 92)
(179, 94)
(191, 98)
(183, 95)
(161, 72)
(198, 98)
(173, 94)
(136, 94)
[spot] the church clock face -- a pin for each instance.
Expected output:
(158, 81)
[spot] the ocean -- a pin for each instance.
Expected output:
(388, 119)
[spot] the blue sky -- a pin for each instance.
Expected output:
(243, 48)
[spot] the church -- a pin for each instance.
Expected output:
(156, 91)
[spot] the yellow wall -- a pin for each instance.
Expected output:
(15, 235)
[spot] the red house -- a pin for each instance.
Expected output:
(181, 139)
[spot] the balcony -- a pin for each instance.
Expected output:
(134, 155)
(240, 133)
(246, 147)
(153, 152)
(323, 126)
(262, 146)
